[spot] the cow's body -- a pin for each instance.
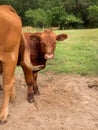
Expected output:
(10, 33)
(41, 47)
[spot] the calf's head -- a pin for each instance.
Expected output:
(47, 40)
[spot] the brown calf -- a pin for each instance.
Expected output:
(40, 46)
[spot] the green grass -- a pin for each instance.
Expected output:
(77, 55)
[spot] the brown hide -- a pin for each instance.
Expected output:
(25, 52)
(47, 40)
(41, 47)
(36, 54)
(10, 33)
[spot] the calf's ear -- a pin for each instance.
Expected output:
(61, 37)
(34, 38)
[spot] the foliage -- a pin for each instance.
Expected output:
(37, 17)
(93, 15)
(70, 21)
(29, 17)
(59, 13)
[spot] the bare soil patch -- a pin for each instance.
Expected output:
(66, 102)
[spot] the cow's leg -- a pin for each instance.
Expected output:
(8, 80)
(1, 88)
(35, 86)
(29, 80)
(13, 94)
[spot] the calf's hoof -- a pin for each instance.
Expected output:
(30, 98)
(36, 91)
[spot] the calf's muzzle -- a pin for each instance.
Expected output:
(49, 56)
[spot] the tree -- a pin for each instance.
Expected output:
(55, 12)
(93, 15)
(70, 21)
(37, 17)
(29, 17)
(73, 22)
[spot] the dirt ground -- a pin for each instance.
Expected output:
(66, 102)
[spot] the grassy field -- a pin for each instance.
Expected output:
(77, 55)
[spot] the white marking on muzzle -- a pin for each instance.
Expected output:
(49, 56)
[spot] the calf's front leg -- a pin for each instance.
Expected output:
(35, 86)
(29, 80)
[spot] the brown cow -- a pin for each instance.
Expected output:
(10, 33)
(41, 46)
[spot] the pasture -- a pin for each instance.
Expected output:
(78, 54)
(68, 87)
